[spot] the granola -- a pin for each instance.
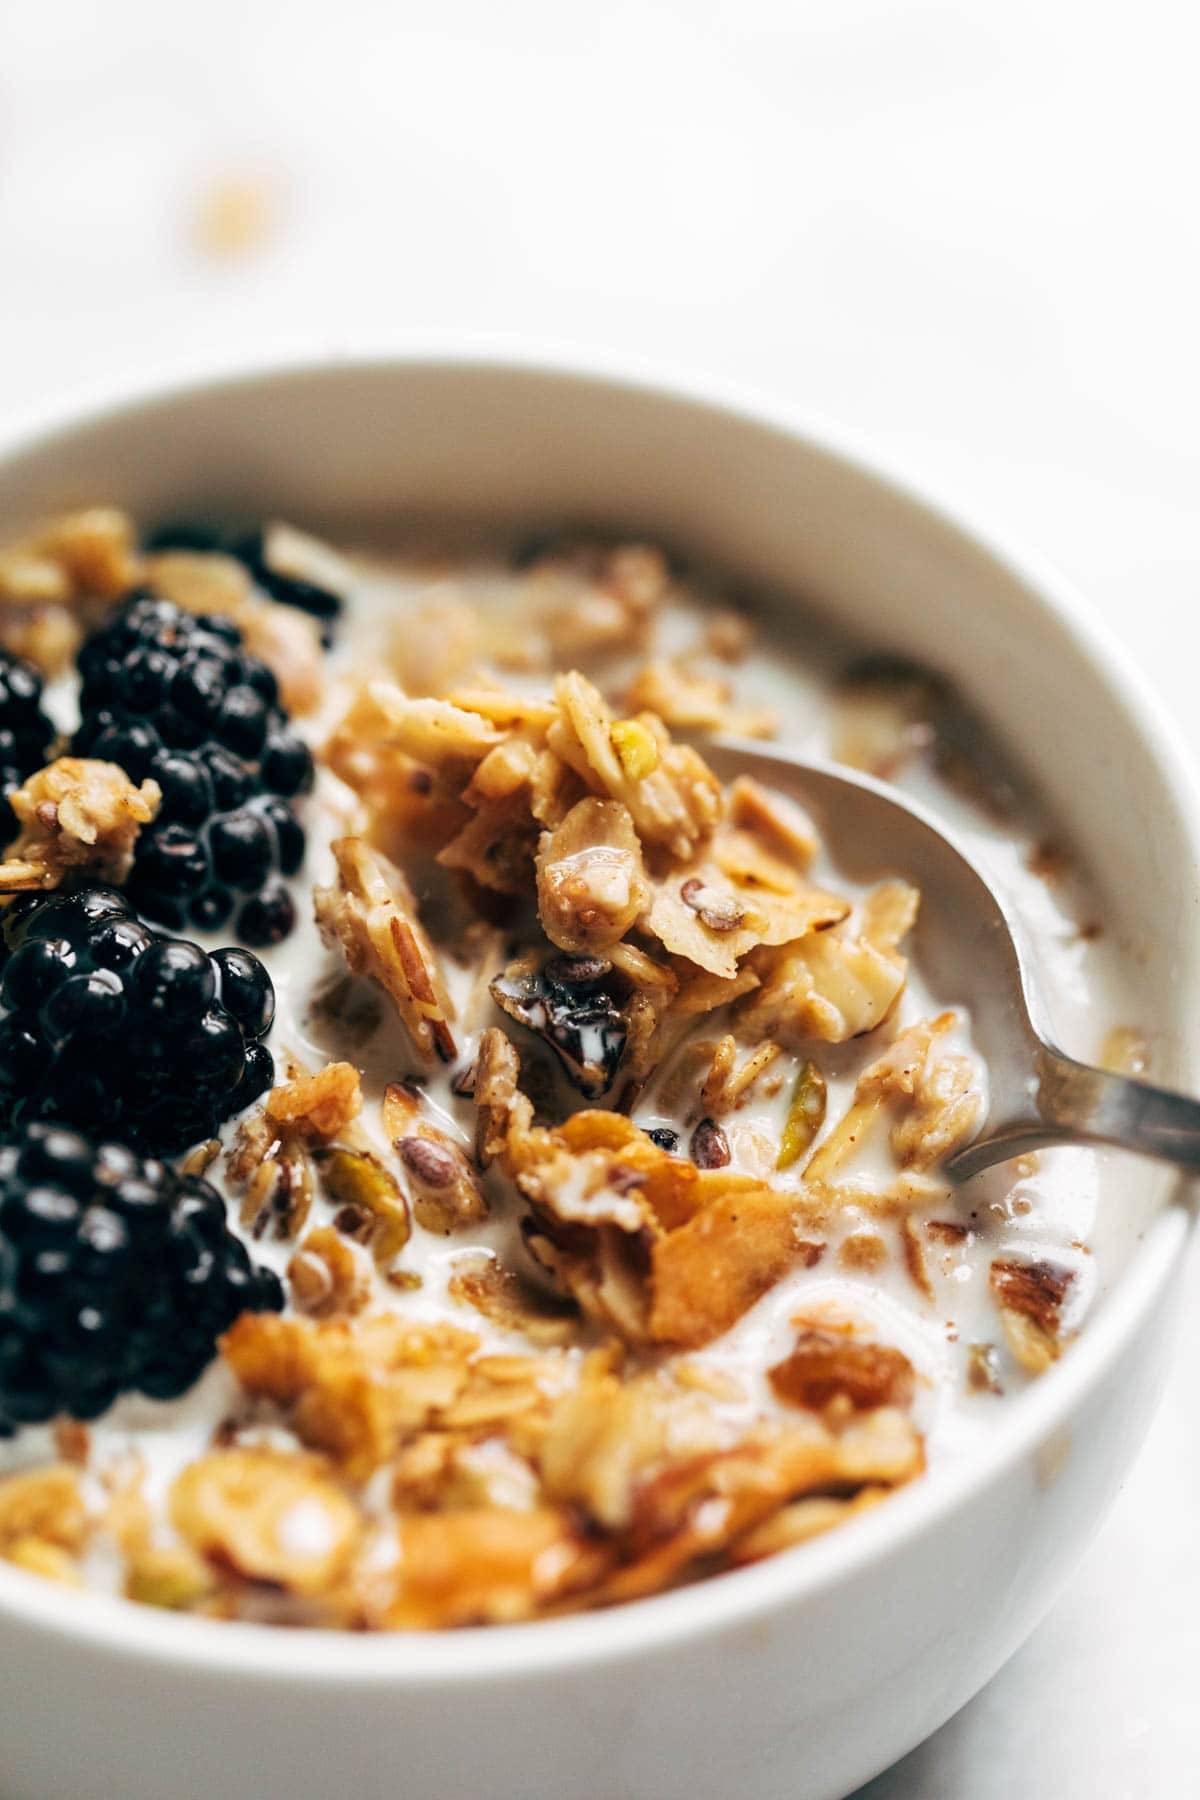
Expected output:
(601, 1162)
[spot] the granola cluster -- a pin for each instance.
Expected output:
(610, 1057)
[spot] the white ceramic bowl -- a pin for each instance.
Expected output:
(806, 1674)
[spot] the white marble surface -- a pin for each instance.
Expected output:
(966, 230)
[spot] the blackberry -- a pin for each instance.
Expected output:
(116, 1275)
(109, 1025)
(173, 696)
(251, 550)
(26, 734)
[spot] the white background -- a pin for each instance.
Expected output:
(967, 231)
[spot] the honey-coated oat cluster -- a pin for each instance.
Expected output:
(574, 932)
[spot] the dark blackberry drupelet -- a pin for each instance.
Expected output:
(116, 1275)
(174, 696)
(252, 550)
(109, 1025)
(26, 734)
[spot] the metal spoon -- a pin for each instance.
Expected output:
(971, 952)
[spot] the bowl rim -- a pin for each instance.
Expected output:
(741, 1598)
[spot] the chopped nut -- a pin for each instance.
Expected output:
(720, 912)
(327, 1276)
(914, 1257)
(1030, 1297)
(863, 1250)
(371, 1206)
(805, 1117)
(446, 1194)
(983, 1369)
(636, 747)
(316, 1107)
(823, 1366)
(371, 913)
(709, 1147)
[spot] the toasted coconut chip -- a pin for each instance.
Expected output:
(676, 805)
(831, 985)
(703, 915)
(698, 1508)
(889, 913)
(481, 1566)
(591, 882)
(802, 1520)
(681, 696)
(268, 1516)
(496, 848)
(406, 804)
(707, 1273)
(371, 913)
(504, 709)
(783, 828)
(686, 698)
(77, 817)
(432, 732)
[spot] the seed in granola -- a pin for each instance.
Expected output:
(428, 1162)
(720, 912)
(709, 1146)
(119, 1275)
(636, 748)
(463, 1084)
(806, 1115)
(664, 1136)
(579, 974)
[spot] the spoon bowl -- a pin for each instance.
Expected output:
(975, 956)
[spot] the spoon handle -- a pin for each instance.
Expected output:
(1073, 1103)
